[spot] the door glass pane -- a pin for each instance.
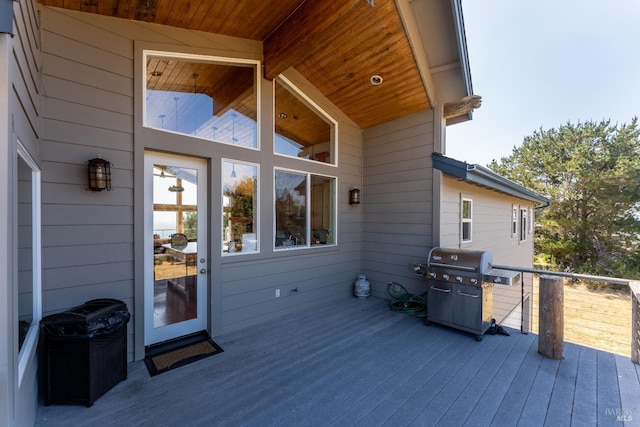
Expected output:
(291, 209)
(239, 207)
(175, 217)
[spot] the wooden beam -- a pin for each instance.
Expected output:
(163, 207)
(308, 26)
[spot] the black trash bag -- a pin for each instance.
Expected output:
(95, 317)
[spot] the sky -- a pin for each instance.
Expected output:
(543, 63)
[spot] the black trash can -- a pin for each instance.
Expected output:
(85, 351)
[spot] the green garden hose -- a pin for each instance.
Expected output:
(415, 305)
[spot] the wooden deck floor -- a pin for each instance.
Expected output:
(354, 362)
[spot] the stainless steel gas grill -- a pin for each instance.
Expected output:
(460, 291)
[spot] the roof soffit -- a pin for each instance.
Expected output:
(337, 46)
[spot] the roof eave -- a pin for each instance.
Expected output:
(485, 177)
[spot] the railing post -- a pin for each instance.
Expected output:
(635, 321)
(551, 317)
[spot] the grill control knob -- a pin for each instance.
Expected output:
(474, 281)
(445, 276)
(459, 278)
(432, 275)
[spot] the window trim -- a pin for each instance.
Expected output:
(307, 244)
(29, 346)
(334, 143)
(464, 220)
(257, 64)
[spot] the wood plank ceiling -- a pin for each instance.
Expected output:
(337, 45)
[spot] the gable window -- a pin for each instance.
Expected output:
(239, 207)
(205, 97)
(304, 209)
(466, 219)
(302, 129)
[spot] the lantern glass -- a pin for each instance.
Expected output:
(99, 174)
(354, 196)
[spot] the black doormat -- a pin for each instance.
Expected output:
(173, 354)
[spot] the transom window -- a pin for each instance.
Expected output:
(302, 129)
(204, 97)
(304, 209)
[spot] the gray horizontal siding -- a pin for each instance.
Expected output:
(491, 232)
(87, 111)
(398, 201)
(88, 73)
(21, 91)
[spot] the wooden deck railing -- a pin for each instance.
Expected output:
(635, 321)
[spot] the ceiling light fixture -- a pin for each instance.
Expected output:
(376, 80)
(233, 128)
(156, 73)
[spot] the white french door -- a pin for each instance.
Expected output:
(176, 272)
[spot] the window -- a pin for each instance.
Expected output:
(239, 207)
(304, 209)
(514, 221)
(524, 227)
(205, 97)
(301, 128)
(466, 219)
(28, 254)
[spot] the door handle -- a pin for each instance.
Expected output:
(441, 290)
(203, 271)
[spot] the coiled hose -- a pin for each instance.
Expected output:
(415, 305)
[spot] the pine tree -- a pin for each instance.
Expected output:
(591, 173)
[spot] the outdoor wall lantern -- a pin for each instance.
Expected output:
(354, 197)
(99, 174)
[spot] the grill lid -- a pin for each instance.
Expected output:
(463, 260)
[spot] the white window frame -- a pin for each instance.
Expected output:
(464, 220)
(256, 209)
(203, 58)
(334, 137)
(308, 212)
(30, 344)
(524, 224)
